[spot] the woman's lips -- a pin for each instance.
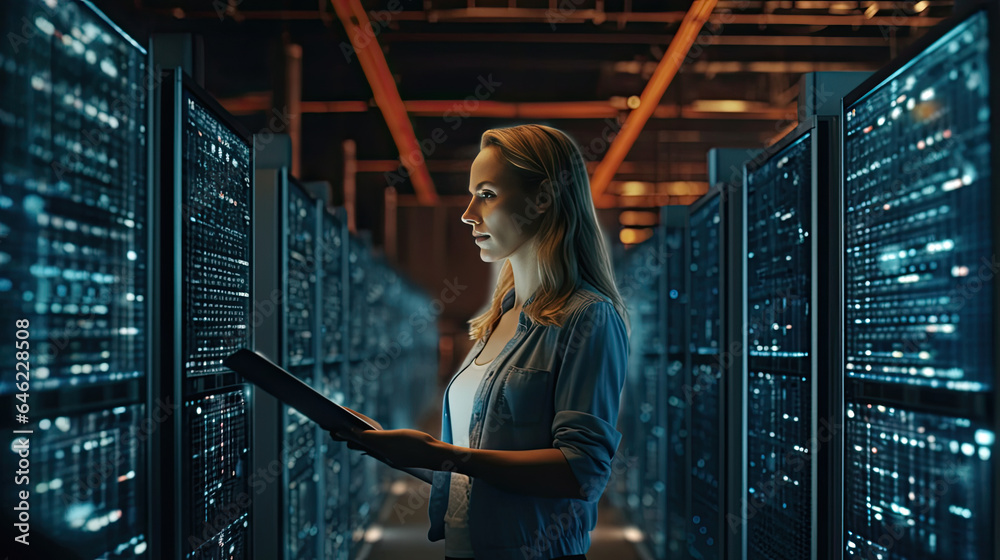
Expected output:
(481, 238)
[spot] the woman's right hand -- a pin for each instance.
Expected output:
(363, 417)
(337, 436)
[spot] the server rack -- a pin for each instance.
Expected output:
(641, 283)
(287, 232)
(334, 457)
(725, 171)
(673, 416)
(74, 282)
(920, 341)
(651, 482)
(788, 386)
(205, 271)
(705, 389)
(361, 485)
(378, 338)
(302, 462)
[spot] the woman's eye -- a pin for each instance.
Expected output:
(486, 194)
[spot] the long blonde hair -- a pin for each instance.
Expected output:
(569, 241)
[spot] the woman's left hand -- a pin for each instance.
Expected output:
(402, 448)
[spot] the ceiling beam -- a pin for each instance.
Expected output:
(539, 15)
(462, 166)
(651, 95)
(645, 201)
(628, 38)
(560, 16)
(645, 188)
(372, 60)
(606, 201)
(777, 67)
(258, 102)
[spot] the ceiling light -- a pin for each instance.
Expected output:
(633, 102)
(638, 218)
(633, 236)
(636, 188)
(842, 8)
(726, 105)
(627, 67)
(872, 10)
(921, 6)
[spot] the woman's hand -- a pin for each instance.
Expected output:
(363, 417)
(401, 448)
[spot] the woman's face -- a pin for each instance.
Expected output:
(500, 209)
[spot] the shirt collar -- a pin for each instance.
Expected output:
(508, 301)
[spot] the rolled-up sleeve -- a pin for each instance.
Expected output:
(587, 393)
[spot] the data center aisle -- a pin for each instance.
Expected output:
(405, 525)
(403, 532)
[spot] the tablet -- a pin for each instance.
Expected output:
(295, 393)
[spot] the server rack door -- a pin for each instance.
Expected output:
(920, 302)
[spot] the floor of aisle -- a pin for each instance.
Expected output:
(403, 532)
(405, 525)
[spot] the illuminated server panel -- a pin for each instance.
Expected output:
(74, 187)
(617, 489)
(379, 286)
(357, 268)
(363, 383)
(216, 476)
(332, 280)
(73, 194)
(640, 282)
(206, 250)
(672, 472)
(787, 381)
(652, 487)
(336, 460)
(917, 480)
(216, 240)
(88, 482)
(301, 482)
(362, 487)
(334, 457)
(705, 389)
(286, 242)
(301, 263)
(920, 340)
(301, 479)
(918, 172)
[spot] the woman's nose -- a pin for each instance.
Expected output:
(470, 217)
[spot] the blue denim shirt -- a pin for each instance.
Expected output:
(549, 387)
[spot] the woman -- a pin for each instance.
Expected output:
(528, 424)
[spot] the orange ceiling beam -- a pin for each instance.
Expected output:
(369, 54)
(606, 201)
(651, 95)
(901, 16)
(258, 102)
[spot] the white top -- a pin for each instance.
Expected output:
(461, 397)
